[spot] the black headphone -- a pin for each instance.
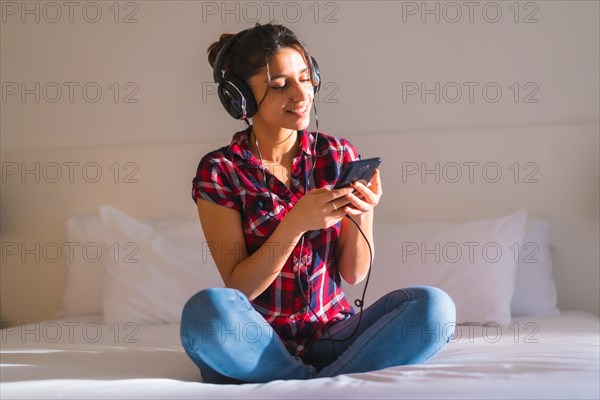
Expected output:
(235, 95)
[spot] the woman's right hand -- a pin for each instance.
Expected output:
(319, 208)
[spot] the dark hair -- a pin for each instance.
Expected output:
(254, 49)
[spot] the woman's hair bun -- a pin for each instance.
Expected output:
(215, 48)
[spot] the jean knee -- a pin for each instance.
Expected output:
(442, 308)
(203, 304)
(439, 306)
(201, 299)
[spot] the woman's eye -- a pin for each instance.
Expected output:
(283, 86)
(277, 85)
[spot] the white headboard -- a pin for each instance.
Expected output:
(442, 175)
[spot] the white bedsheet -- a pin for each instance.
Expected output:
(542, 357)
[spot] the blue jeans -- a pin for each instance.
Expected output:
(232, 343)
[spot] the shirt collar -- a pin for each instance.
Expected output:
(240, 146)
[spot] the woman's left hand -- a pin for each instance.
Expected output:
(365, 197)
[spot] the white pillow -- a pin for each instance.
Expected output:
(535, 290)
(84, 271)
(474, 262)
(150, 274)
(534, 293)
(83, 281)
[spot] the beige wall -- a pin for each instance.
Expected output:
(372, 54)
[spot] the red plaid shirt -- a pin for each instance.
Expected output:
(232, 177)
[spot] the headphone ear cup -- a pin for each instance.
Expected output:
(316, 74)
(237, 98)
(232, 100)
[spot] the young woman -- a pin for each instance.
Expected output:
(283, 238)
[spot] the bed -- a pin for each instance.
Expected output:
(520, 261)
(547, 357)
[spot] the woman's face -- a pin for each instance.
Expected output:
(289, 92)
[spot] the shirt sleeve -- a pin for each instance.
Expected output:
(213, 182)
(349, 152)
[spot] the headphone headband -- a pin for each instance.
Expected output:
(217, 74)
(234, 93)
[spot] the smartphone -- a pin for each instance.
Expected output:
(359, 170)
